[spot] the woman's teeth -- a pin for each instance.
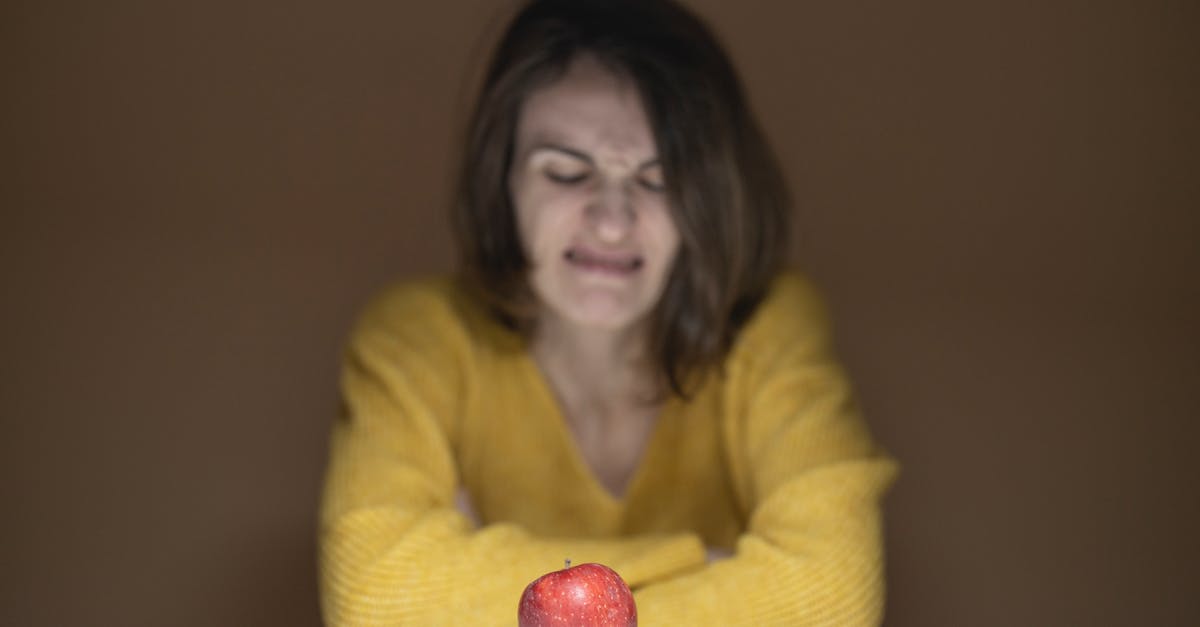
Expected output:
(606, 263)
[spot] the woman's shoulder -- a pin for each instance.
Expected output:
(408, 300)
(792, 300)
(431, 307)
(419, 292)
(793, 307)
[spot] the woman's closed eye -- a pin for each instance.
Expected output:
(651, 178)
(567, 176)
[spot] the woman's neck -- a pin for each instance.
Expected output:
(606, 385)
(595, 368)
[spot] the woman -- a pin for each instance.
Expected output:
(621, 374)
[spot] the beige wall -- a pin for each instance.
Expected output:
(999, 198)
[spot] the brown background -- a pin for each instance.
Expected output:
(999, 199)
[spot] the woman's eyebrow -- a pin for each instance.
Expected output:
(582, 156)
(571, 152)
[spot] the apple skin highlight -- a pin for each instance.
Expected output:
(587, 595)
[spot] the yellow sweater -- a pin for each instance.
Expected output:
(771, 460)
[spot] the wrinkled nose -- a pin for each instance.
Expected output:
(611, 214)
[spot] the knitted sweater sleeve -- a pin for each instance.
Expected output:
(393, 547)
(808, 476)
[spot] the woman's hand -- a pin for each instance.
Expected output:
(462, 501)
(716, 554)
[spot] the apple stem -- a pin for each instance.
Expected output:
(567, 562)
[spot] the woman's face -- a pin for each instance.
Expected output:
(590, 206)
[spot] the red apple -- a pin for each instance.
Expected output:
(587, 595)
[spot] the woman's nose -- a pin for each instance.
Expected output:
(611, 213)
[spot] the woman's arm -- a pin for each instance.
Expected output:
(394, 548)
(807, 471)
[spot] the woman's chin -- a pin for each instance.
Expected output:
(601, 314)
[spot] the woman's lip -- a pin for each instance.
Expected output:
(609, 263)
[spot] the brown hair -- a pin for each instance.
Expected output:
(727, 196)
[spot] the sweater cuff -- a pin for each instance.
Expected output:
(664, 557)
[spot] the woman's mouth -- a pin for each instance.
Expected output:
(620, 264)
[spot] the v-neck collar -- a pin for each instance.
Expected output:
(557, 423)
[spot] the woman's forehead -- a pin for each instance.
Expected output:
(589, 108)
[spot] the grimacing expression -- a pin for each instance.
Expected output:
(591, 210)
